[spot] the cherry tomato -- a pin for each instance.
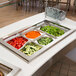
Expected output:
(17, 42)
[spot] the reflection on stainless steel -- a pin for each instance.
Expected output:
(8, 69)
(67, 32)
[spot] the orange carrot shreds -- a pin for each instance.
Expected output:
(32, 34)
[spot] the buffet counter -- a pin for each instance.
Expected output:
(28, 69)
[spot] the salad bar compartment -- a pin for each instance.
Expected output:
(52, 29)
(30, 48)
(45, 40)
(17, 42)
(32, 34)
(33, 41)
(7, 69)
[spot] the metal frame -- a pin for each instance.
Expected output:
(13, 70)
(29, 58)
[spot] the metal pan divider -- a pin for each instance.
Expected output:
(14, 36)
(32, 28)
(58, 24)
(25, 44)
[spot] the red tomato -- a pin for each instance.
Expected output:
(17, 42)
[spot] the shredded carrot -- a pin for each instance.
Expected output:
(32, 34)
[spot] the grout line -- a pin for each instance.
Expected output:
(58, 73)
(69, 66)
(60, 68)
(68, 70)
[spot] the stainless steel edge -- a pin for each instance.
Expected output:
(14, 69)
(33, 56)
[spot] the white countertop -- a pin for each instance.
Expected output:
(29, 68)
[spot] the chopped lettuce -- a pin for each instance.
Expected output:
(55, 31)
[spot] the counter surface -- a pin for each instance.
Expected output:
(29, 68)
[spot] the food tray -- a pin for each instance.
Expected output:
(46, 23)
(42, 37)
(8, 69)
(36, 27)
(33, 29)
(16, 36)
